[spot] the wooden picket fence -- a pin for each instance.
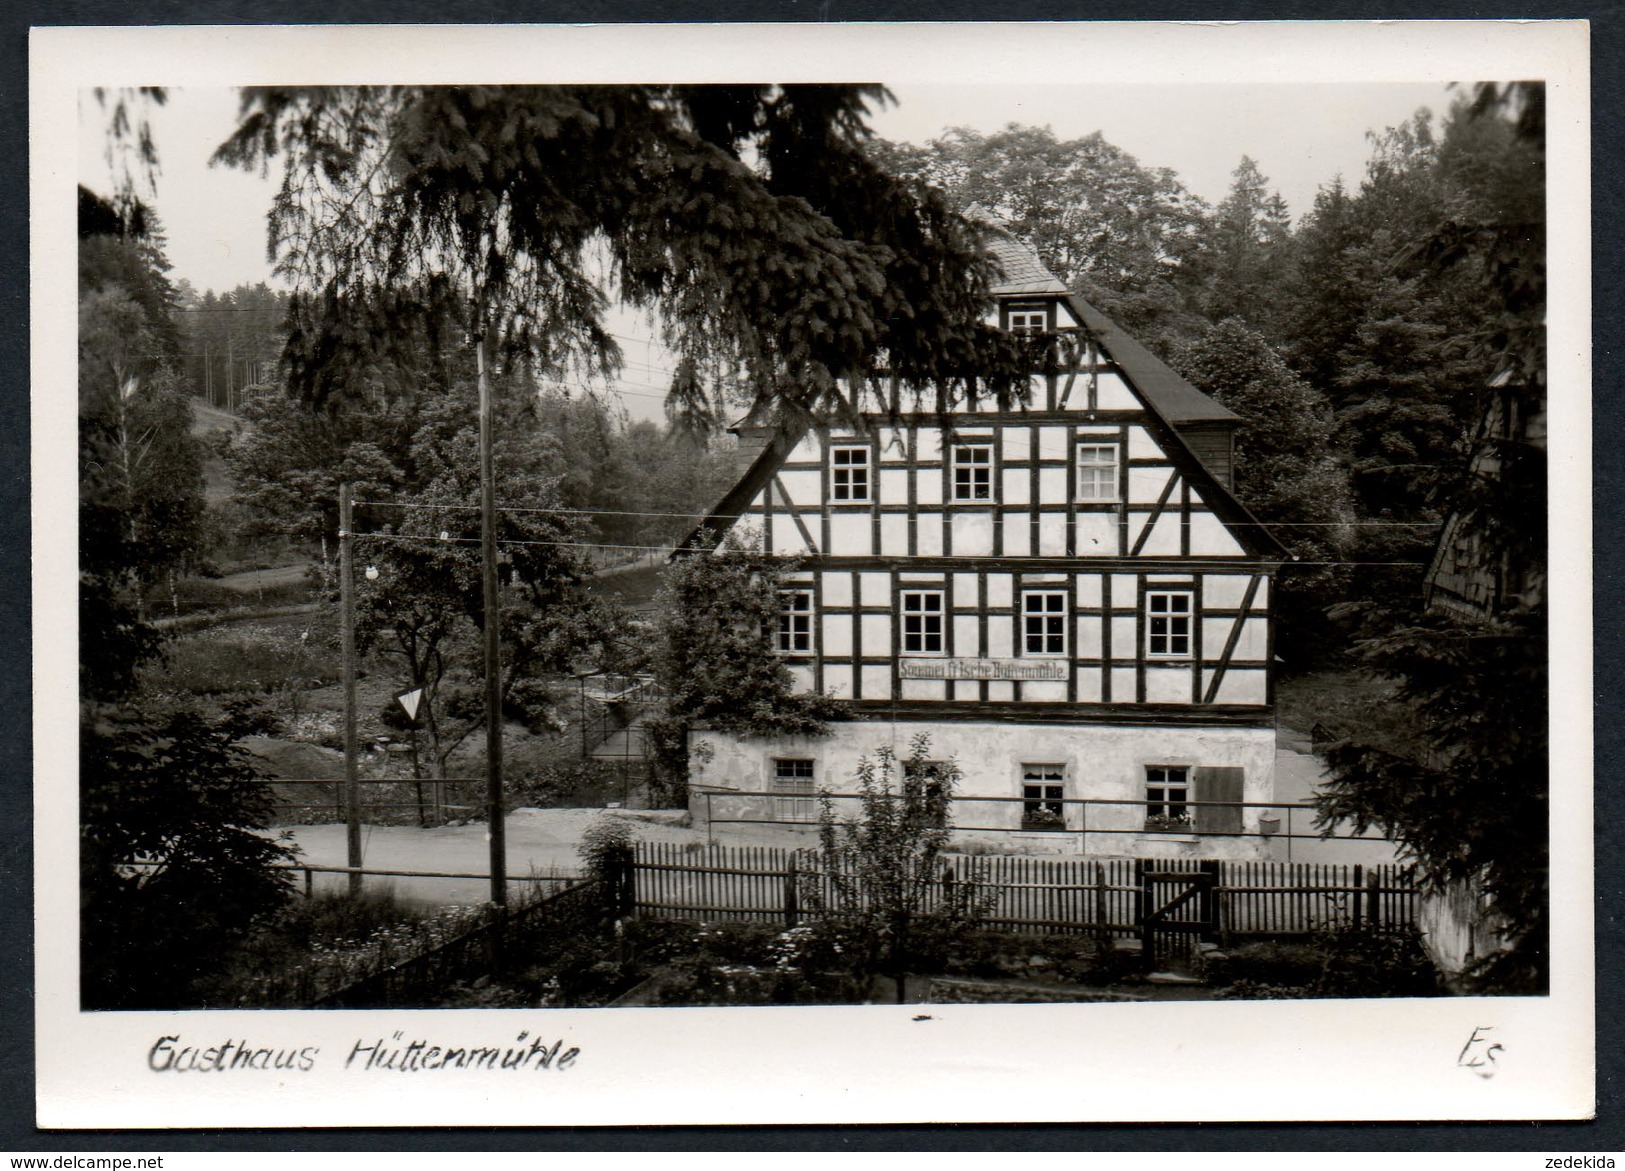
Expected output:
(1029, 894)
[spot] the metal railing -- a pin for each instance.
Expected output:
(310, 870)
(429, 796)
(1297, 824)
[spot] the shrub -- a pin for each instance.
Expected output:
(530, 702)
(1330, 964)
(606, 851)
(567, 784)
(883, 869)
(174, 868)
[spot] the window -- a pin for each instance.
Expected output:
(922, 623)
(1028, 321)
(930, 772)
(1041, 788)
(794, 635)
(1167, 789)
(973, 471)
(1043, 623)
(849, 474)
(1097, 471)
(793, 798)
(1168, 624)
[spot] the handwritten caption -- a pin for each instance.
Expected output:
(1480, 1052)
(172, 1053)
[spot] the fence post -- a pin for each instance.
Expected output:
(792, 905)
(1142, 910)
(1358, 913)
(1102, 931)
(1374, 899)
(1208, 899)
(310, 880)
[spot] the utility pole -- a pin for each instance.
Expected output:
(352, 782)
(493, 642)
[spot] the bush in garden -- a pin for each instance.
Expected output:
(606, 851)
(175, 869)
(881, 872)
(1329, 964)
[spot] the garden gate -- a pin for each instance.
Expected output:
(1175, 908)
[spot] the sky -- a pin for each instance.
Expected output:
(1301, 135)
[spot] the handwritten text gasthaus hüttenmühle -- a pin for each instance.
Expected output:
(172, 1053)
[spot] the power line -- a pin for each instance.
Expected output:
(515, 508)
(448, 540)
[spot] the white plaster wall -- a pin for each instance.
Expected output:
(893, 534)
(1243, 686)
(850, 534)
(1017, 442)
(876, 637)
(1253, 643)
(804, 486)
(1164, 538)
(1145, 486)
(1209, 537)
(1096, 534)
(874, 589)
(1100, 761)
(1051, 535)
(973, 534)
(1017, 485)
(1224, 591)
(787, 536)
(1142, 446)
(1114, 394)
(809, 448)
(837, 636)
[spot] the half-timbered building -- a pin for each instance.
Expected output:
(1064, 596)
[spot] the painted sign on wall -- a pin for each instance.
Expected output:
(982, 668)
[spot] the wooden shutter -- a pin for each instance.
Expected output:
(1218, 784)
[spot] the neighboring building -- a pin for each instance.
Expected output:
(1474, 579)
(1065, 596)
(1467, 578)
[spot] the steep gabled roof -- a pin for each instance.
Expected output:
(1171, 403)
(1176, 400)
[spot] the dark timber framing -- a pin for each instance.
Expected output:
(1105, 555)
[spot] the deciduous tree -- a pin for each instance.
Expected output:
(881, 883)
(1286, 472)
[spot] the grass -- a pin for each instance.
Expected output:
(247, 658)
(199, 595)
(635, 589)
(1342, 702)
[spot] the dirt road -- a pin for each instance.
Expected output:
(543, 842)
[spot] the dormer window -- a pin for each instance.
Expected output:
(1028, 321)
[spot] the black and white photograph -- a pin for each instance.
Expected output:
(1006, 563)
